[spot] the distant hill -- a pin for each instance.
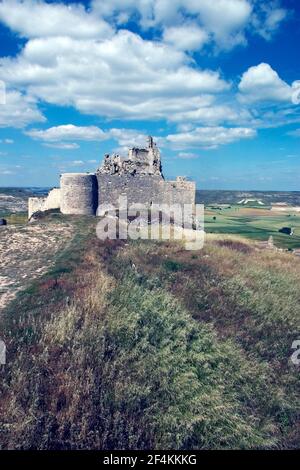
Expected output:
(24, 192)
(15, 200)
(233, 197)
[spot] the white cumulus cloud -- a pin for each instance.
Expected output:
(187, 37)
(67, 132)
(267, 17)
(221, 17)
(58, 136)
(209, 137)
(36, 18)
(227, 22)
(19, 110)
(262, 83)
(121, 77)
(86, 58)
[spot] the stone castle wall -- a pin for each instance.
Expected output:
(180, 191)
(139, 177)
(79, 193)
(82, 193)
(144, 189)
(52, 201)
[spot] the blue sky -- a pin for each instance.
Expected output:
(216, 82)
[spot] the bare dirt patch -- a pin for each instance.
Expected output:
(27, 252)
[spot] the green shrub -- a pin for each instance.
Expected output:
(171, 265)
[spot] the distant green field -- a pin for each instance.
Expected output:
(255, 223)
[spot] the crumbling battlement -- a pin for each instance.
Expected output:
(37, 204)
(138, 176)
(145, 161)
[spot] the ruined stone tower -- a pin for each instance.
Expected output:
(138, 176)
(140, 161)
(78, 193)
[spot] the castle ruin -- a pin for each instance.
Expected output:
(138, 176)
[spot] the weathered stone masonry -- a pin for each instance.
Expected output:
(37, 204)
(139, 177)
(145, 189)
(79, 193)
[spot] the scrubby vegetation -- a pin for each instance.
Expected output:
(145, 345)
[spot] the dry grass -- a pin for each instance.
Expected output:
(146, 345)
(253, 212)
(26, 253)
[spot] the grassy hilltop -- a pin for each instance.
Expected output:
(145, 345)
